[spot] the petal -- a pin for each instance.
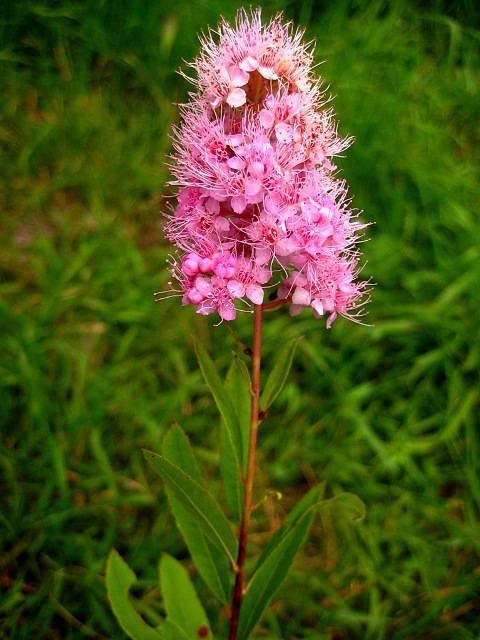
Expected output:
(249, 64)
(267, 72)
(237, 98)
(212, 205)
(235, 140)
(227, 311)
(263, 256)
(256, 169)
(283, 132)
(255, 293)
(205, 308)
(301, 296)
(238, 204)
(190, 264)
(295, 309)
(221, 224)
(263, 275)
(266, 118)
(317, 306)
(238, 76)
(236, 288)
(236, 163)
(331, 319)
(252, 187)
(206, 265)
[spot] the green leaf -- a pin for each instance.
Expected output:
(232, 466)
(279, 553)
(270, 575)
(279, 374)
(310, 500)
(244, 371)
(199, 504)
(214, 567)
(346, 504)
(177, 449)
(119, 579)
(181, 601)
(170, 630)
(221, 397)
(239, 387)
(231, 474)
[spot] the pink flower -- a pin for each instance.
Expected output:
(258, 204)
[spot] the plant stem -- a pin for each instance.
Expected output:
(247, 500)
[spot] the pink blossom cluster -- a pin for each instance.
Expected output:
(258, 206)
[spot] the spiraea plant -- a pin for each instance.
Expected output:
(261, 222)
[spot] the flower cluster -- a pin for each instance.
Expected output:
(258, 205)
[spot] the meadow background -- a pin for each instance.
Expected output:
(92, 370)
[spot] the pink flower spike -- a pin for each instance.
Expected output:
(259, 207)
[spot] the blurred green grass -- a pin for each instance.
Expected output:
(91, 370)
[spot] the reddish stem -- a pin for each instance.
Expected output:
(247, 500)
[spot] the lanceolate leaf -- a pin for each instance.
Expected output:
(177, 449)
(214, 567)
(239, 387)
(170, 630)
(345, 504)
(221, 397)
(231, 474)
(279, 553)
(279, 374)
(308, 502)
(181, 601)
(242, 367)
(199, 504)
(119, 579)
(270, 575)
(231, 465)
